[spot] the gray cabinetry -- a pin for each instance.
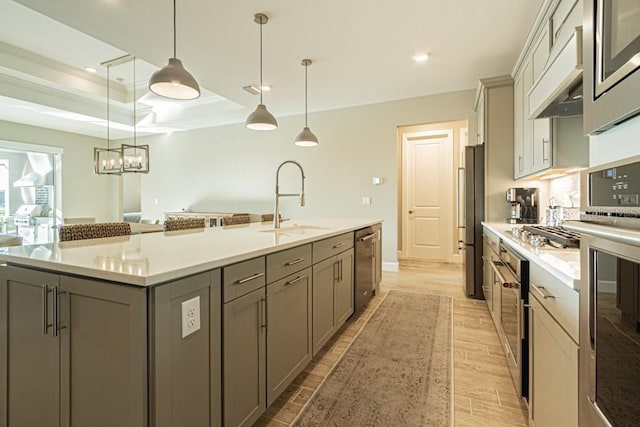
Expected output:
(187, 380)
(89, 365)
(324, 274)
(244, 346)
(289, 346)
(244, 342)
(343, 287)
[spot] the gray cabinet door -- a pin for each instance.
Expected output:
(289, 346)
(185, 372)
(324, 275)
(103, 353)
(244, 359)
(30, 369)
(343, 288)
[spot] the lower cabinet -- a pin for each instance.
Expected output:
(553, 364)
(73, 351)
(332, 296)
(289, 346)
(244, 359)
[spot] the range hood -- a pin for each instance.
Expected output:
(558, 91)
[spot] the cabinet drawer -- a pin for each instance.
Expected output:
(559, 299)
(287, 262)
(332, 246)
(242, 278)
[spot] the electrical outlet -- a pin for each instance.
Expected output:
(366, 200)
(190, 316)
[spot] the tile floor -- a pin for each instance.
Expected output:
(484, 394)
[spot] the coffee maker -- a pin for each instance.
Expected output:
(524, 205)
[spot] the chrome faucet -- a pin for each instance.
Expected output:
(276, 214)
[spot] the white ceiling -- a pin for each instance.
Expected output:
(361, 51)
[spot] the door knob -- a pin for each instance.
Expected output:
(410, 212)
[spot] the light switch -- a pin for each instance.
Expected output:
(366, 200)
(377, 180)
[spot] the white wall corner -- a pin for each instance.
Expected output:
(390, 266)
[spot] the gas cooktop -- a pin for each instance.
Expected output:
(556, 236)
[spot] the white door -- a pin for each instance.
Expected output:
(428, 194)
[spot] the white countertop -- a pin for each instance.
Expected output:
(562, 263)
(153, 258)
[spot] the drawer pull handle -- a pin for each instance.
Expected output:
(339, 245)
(295, 261)
(543, 292)
(296, 280)
(250, 278)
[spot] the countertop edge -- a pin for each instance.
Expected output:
(160, 278)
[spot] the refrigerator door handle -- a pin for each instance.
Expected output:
(460, 196)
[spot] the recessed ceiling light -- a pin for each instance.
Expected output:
(421, 57)
(90, 70)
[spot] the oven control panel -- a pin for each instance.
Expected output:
(615, 186)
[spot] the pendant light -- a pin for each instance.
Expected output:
(172, 80)
(261, 119)
(135, 158)
(306, 138)
(107, 161)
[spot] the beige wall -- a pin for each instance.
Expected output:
(231, 168)
(83, 193)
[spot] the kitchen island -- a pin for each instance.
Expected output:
(201, 327)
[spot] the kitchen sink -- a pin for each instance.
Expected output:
(295, 229)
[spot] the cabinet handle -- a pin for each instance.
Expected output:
(339, 245)
(294, 262)
(294, 281)
(545, 141)
(250, 278)
(340, 270)
(45, 309)
(55, 311)
(543, 292)
(520, 163)
(263, 315)
(335, 271)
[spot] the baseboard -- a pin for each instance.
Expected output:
(390, 266)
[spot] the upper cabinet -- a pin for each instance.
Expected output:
(611, 66)
(543, 144)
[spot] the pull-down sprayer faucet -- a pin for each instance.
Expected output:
(276, 214)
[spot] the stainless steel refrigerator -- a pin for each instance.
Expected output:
(469, 218)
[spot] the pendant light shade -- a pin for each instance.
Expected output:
(172, 80)
(306, 138)
(261, 118)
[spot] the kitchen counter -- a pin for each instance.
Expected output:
(153, 258)
(562, 263)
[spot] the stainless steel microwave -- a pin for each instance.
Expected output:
(612, 63)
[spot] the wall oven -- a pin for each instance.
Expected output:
(612, 62)
(609, 390)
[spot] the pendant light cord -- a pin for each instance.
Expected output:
(306, 67)
(174, 28)
(261, 19)
(135, 111)
(108, 104)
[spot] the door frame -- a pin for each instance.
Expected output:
(459, 132)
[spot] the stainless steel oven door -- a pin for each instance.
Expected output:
(609, 326)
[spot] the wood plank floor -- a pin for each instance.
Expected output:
(484, 394)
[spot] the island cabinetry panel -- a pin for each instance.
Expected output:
(331, 246)
(90, 365)
(289, 346)
(284, 263)
(332, 296)
(244, 358)
(186, 372)
(243, 277)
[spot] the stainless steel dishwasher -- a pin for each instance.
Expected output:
(364, 271)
